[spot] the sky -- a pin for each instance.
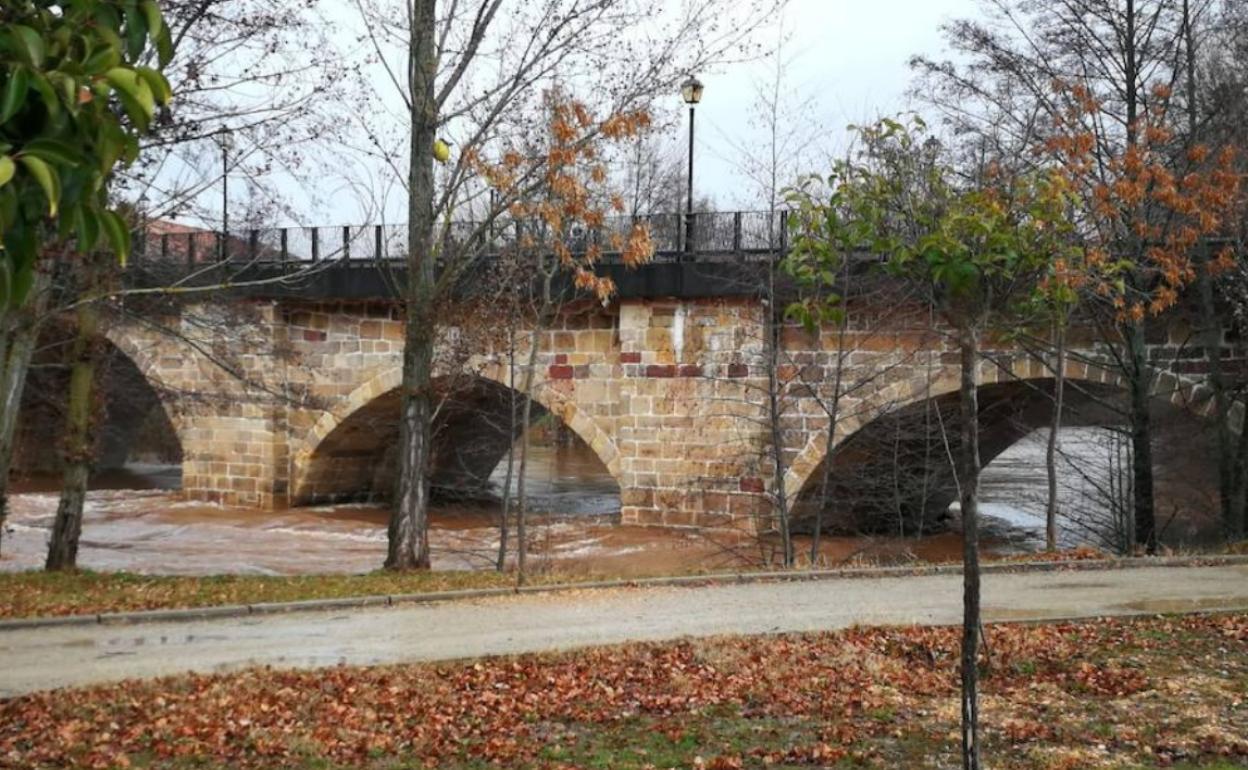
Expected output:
(846, 61)
(849, 57)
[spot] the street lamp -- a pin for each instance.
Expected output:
(225, 140)
(691, 92)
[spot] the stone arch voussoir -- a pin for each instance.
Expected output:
(140, 349)
(1179, 391)
(544, 393)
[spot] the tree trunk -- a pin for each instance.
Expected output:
(1228, 451)
(833, 417)
(1050, 455)
(79, 437)
(18, 340)
(775, 409)
(409, 523)
(530, 368)
(1141, 437)
(504, 519)
(522, 550)
(968, 396)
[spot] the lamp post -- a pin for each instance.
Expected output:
(226, 140)
(691, 92)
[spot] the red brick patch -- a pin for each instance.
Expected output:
(630, 358)
(690, 370)
(311, 335)
(657, 370)
(738, 370)
(560, 372)
(561, 358)
(752, 484)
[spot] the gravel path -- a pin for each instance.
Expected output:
(43, 658)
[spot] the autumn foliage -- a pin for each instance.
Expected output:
(1145, 208)
(1095, 694)
(571, 191)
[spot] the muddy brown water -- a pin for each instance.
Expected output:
(136, 520)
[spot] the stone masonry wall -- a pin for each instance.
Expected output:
(671, 395)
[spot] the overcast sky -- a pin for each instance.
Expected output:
(847, 58)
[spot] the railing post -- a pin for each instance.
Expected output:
(164, 247)
(346, 244)
(316, 244)
(190, 251)
(784, 232)
(285, 247)
(736, 232)
(253, 245)
(377, 239)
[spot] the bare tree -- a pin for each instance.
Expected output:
(476, 72)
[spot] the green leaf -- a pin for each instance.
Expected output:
(102, 60)
(157, 31)
(47, 179)
(23, 280)
(55, 151)
(14, 93)
(68, 86)
(28, 43)
(135, 95)
(151, 14)
(164, 47)
(7, 169)
(109, 145)
(118, 234)
(157, 83)
(87, 228)
(50, 99)
(136, 32)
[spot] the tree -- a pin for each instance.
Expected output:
(261, 73)
(571, 198)
(1117, 64)
(977, 250)
(476, 72)
(1145, 213)
(76, 96)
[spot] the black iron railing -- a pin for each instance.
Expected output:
(676, 237)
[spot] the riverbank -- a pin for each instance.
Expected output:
(95, 596)
(1112, 693)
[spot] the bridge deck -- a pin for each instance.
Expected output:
(717, 254)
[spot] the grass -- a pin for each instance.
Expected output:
(1121, 694)
(30, 594)
(85, 592)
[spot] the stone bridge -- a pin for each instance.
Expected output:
(290, 396)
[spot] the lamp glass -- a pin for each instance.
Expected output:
(691, 91)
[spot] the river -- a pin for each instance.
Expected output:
(137, 521)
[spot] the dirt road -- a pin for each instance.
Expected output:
(43, 658)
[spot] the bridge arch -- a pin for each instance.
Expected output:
(138, 413)
(142, 352)
(1166, 387)
(376, 393)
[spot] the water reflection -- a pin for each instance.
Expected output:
(563, 480)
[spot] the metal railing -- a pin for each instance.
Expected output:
(676, 237)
